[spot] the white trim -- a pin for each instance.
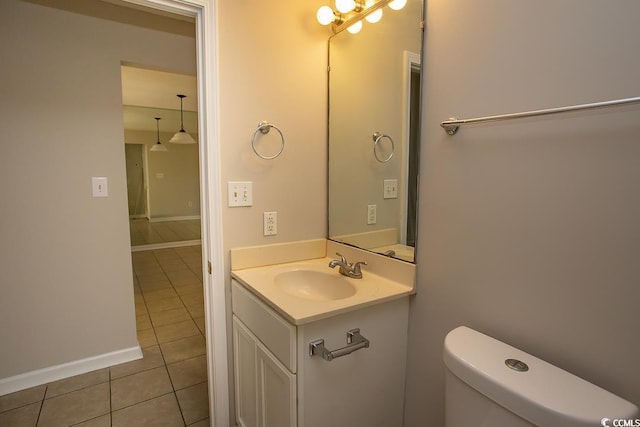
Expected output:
(175, 218)
(409, 59)
(165, 245)
(215, 298)
(65, 370)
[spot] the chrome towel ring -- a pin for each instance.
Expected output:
(377, 137)
(264, 128)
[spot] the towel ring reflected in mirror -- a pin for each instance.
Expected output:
(377, 138)
(264, 128)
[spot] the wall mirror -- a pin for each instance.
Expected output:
(374, 103)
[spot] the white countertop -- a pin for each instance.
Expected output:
(371, 289)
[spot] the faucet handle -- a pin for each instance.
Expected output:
(356, 267)
(342, 258)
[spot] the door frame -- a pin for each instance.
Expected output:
(204, 12)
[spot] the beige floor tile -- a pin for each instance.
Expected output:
(143, 321)
(77, 382)
(200, 324)
(196, 310)
(182, 349)
(151, 358)
(190, 290)
(175, 331)
(166, 317)
(183, 278)
(21, 398)
(154, 286)
(25, 416)
(193, 299)
(139, 387)
(75, 407)
(147, 338)
(164, 304)
(194, 403)
(159, 294)
(141, 308)
(162, 411)
(103, 421)
(143, 279)
(188, 372)
(201, 423)
(171, 263)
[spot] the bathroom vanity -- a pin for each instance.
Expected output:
(315, 348)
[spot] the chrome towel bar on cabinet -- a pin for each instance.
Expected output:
(355, 342)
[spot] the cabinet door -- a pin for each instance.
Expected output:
(276, 392)
(265, 388)
(244, 372)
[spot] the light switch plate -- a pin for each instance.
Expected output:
(99, 186)
(240, 193)
(390, 189)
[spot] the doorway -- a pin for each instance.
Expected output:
(136, 188)
(211, 192)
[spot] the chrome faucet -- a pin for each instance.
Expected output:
(347, 269)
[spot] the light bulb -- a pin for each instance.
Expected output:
(345, 6)
(355, 28)
(375, 16)
(397, 4)
(325, 15)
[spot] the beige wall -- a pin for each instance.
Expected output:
(173, 176)
(529, 229)
(65, 261)
(273, 68)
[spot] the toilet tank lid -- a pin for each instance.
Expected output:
(544, 395)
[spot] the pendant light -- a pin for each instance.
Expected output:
(182, 137)
(158, 145)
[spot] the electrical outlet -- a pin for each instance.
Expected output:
(371, 214)
(390, 189)
(240, 193)
(270, 223)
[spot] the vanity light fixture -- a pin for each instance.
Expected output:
(349, 14)
(182, 137)
(158, 145)
(374, 16)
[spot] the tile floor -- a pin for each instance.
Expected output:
(144, 232)
(167, 387)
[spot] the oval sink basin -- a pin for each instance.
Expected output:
(315, 285)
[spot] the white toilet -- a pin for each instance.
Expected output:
(489, 383)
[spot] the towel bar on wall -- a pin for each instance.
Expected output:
(452, 125)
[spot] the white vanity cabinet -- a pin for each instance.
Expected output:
(279, 383)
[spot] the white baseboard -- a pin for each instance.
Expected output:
(174, 218)
(165, 245)
(66, 370)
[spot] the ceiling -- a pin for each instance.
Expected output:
(149, 93)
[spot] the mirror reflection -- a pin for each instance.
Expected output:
(163, 186)
(374, 103)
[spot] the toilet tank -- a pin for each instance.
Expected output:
(484, 389)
